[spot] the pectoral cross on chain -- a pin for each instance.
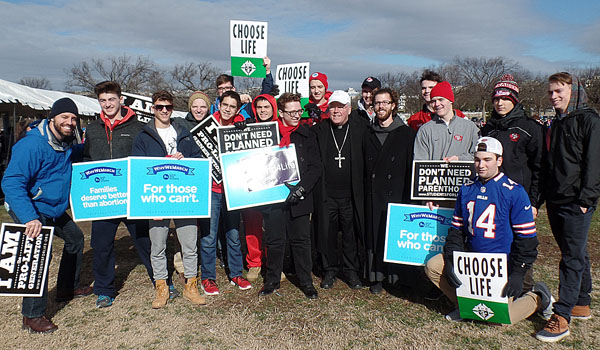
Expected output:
(339, 158)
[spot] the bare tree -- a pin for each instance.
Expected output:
(195, 76)
(133, 74)
(38, 83)
(480, 75)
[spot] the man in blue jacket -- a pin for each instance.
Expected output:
(36, 185)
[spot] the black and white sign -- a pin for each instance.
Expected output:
(257, 135)
(141, 105)
(205, 136)
(438, 180)
(23, 261)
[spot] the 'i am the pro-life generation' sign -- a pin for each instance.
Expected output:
(205, 136)
(23, 260)
(483, 277)
(248, 48)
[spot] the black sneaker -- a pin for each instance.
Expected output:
(376, 288)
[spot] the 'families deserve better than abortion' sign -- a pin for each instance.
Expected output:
(169, 188)
(414, 234)
(99, 190)
(248, 48)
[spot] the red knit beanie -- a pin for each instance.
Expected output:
(320, 77)
(506, 87)
(443, 89)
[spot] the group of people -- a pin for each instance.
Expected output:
(353, 163)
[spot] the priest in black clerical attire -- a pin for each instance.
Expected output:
(340, 194)
(388, 151)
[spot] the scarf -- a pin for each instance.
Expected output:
(286, 132)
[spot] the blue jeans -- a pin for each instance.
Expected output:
(70, 263)
(231, 222)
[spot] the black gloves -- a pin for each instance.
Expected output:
(514, 286)
(297, 193)
(313, 111)
(240, 125)
(450, 275)
(274, 90)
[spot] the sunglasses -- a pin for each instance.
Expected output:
(160, 107)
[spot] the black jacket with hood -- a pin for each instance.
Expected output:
(573, 168)
(523, 141)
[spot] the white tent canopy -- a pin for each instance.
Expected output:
(42, 100)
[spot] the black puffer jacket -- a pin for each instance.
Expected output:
(102, 143)
(523, 141)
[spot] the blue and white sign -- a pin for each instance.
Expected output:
(414, 234)
(99, 190)
(163, 188)
(257, 176)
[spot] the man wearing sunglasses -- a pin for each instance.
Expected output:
(161, 138)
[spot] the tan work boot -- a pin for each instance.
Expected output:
(581, 312)
(162, 294)
(191, 293)
(253, 274)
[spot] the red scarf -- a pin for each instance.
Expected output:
(286, 132)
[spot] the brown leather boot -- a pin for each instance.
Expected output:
(581, 312)
(39, 324)
(162, 294)
(191, 293)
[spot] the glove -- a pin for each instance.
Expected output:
(313, 111)
(274, 90)
(450, 275)
(514, 286)
(240, 125)
(296, 193)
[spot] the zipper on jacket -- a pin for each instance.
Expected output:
(110, 144)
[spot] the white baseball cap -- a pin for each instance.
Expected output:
(489, 144)
(340, 96)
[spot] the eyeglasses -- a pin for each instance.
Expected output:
(293, 113)
(385, 103)
(161, 107)
(225, 88)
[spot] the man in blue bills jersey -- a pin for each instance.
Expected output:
(492, 215)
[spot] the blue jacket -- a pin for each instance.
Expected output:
(149, 144)
(38, 177)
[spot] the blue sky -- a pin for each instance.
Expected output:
(347, 40)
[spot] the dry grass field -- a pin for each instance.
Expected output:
(340, 318)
